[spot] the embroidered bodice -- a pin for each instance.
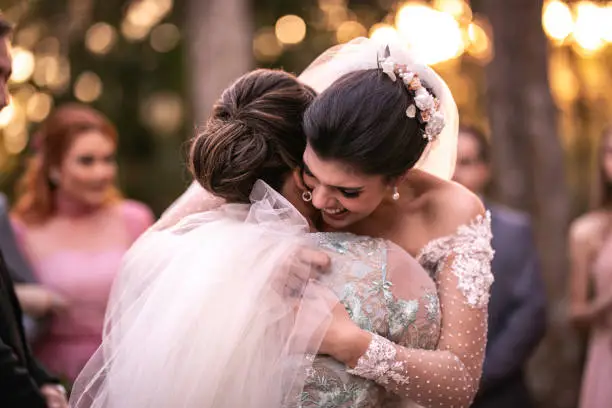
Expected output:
(428, 320)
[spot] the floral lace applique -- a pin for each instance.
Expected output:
(449, 374)
(379, 363)
(471, 247)
(366, 292)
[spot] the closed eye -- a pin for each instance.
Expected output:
(86, 160)
(350, 193)
(346, 192)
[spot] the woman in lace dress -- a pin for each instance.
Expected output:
(389, 302)
(591, 255)
(366, 133)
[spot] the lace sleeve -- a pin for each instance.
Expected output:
(449, 375)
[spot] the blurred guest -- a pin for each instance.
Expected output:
(591, 281)
(23, 382)
(74, 227)
(517, 316)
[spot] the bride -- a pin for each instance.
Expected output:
(216, 306)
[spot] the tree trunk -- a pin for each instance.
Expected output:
(219, 49)
(529, 174)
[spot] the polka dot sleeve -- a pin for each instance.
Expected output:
(449, 375)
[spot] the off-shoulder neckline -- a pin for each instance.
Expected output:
(474, 226)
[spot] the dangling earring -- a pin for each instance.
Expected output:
(54, 177)
(396, 194)
(307, 196)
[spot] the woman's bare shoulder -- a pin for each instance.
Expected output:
(449, 205)
(588, 227)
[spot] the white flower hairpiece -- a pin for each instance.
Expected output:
(425, 103)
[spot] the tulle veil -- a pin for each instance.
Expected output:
(219, 310)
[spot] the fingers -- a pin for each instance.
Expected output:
(315, 258)
(54, 398)
(303, 266)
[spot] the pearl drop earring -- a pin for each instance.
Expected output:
(396, 194)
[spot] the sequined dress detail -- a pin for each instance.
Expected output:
(412, 360)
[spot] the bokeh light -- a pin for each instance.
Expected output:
(165, 37)
(39, 106)
(383, 33)
(587, 29)
(459, 9)
(100, 38)
(480, 46)
(290, 29)
(88, 87)
(28, 36)
(14, 144)
(142, 16)
(6, 115)
(23, 64)
(349, 30)
(557, 20)
(163, 112)
(606, 22)
(266, 46)
(415, 23)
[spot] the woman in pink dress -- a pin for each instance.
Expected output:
(591, 255)
(74, 227)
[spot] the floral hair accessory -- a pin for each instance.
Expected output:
(426, 105)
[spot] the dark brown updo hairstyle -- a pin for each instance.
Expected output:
(360, 120)
(35, 190)
(255, 132)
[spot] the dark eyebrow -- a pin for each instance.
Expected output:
(350, 189)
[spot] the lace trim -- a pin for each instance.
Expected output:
(471, 247)
(379, 363)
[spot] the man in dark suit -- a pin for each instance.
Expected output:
(21, 271)
(23, 383)
(517, 318)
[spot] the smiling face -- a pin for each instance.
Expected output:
(88, 169)
(343, 195)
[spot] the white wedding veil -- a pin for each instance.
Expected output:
(362, 54)
(218, 310)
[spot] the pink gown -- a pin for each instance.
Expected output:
(77, 254)
(596, 390)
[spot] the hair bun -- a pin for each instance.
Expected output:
(230, 156)
(255, 132)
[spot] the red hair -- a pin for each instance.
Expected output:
(35, 192)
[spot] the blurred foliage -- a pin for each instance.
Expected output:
(150, 161)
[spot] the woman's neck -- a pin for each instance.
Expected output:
(68, 205)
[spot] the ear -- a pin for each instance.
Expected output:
(397, 180)
(297, 178)
(54, 175)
